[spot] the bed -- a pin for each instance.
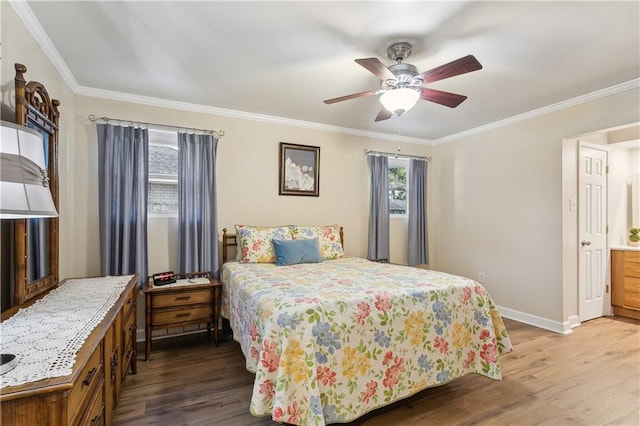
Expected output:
(332, 340)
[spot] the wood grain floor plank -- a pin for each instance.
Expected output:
(589, 377)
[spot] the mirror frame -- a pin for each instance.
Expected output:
(34, 105)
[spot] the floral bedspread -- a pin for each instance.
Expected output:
(331, 341)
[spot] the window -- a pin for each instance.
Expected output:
(163, 173)
(398, 189)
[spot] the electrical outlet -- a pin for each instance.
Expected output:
(481, 277)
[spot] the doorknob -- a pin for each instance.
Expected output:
(585, 243)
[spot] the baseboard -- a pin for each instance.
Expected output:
(540, 322)
(573, 321)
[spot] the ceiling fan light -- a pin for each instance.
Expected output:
(399, 100)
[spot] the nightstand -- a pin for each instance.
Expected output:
(193, 299)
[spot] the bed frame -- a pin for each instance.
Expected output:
(229, 240)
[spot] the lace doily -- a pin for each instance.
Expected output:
(46, 336)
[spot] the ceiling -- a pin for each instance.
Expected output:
(282, 59)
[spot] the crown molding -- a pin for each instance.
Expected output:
(33, 26)
(618, 88)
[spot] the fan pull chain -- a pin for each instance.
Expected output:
(396, 123)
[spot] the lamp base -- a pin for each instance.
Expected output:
(7, 363)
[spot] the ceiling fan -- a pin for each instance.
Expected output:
(401, 85)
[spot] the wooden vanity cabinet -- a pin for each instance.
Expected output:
(89, 395)
(625, 283)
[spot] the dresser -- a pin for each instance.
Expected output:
(625, 282)
(107, 352)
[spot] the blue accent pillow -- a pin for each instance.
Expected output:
(292, 252)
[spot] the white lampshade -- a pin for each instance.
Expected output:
(399, 100)
(24, 185)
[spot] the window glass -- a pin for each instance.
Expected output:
(163, 173)
(398, 189)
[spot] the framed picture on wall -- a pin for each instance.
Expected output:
(299, 170)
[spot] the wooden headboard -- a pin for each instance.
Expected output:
(229, 240)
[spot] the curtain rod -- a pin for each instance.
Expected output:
(216, 133)
(396, 155)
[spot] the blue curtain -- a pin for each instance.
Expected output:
(197, 218)
(417, 233)
(379, 208)
(123, 170)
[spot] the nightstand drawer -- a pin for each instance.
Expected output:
(176, 316)
(182, 298)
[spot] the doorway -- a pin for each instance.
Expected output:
(622, 145)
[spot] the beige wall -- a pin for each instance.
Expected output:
(247, 173)
(247, 181)
(499, 205)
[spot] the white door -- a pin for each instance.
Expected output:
(592, 233)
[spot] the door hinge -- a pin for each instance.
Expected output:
(607, 287)
(606, 229)
(606, 169)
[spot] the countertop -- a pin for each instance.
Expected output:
(625, 248)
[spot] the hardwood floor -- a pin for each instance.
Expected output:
(589, 377)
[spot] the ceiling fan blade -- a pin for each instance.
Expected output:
(375, 66)
(353, 96)
(459, 66)
(383, 115)
(451, 100)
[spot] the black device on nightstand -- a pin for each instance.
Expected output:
(164, 278)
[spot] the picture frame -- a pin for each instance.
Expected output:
(299, 170)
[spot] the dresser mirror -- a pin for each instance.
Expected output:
(36, 239)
